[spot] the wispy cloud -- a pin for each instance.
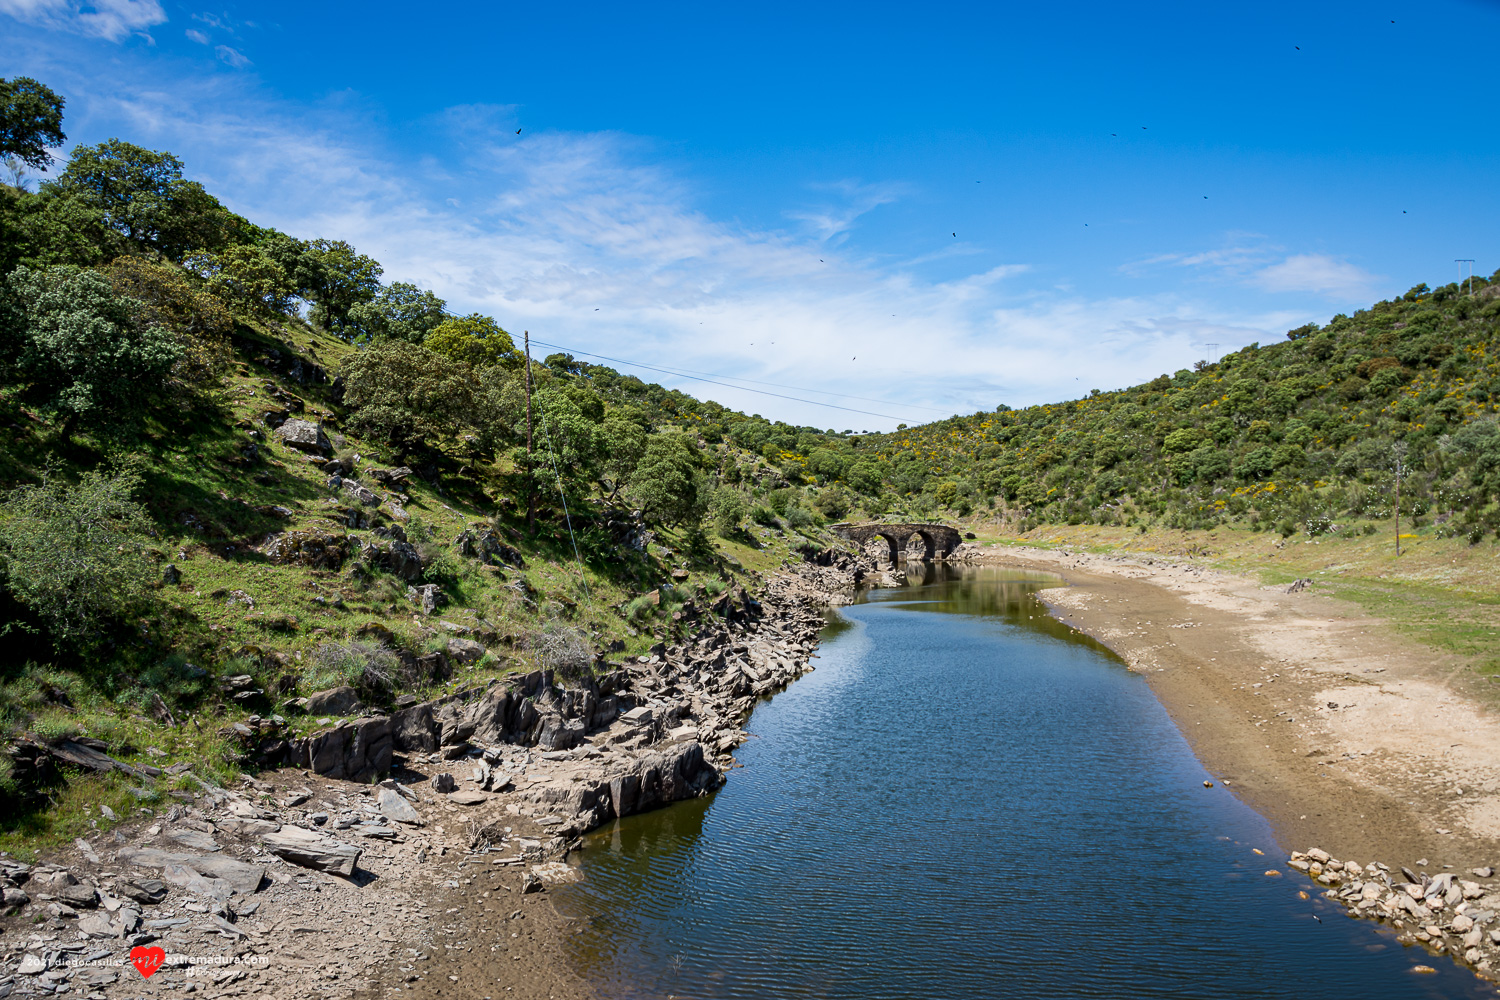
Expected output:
(1251, 260)
(194, 35)
(597, 242)
(109, 19)
(232, 57)
(832, 220)
(1316, 272)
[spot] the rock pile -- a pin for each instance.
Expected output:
(1444, 912)
(329, 880)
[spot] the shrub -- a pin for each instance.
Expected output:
(562, 649)
(727, 508)
(74, 554)
(366, 665)
(639, 610)
(84, 352)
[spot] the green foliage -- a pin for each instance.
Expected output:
(169, 300)
(333, 276)
(30, 121)
(405, 394)
(624, 443)
(140, 194)
(474, 340)
(74, 553)
(83, 352)
(666, 482)
(246, 274)
(727, 508)
(400, 311)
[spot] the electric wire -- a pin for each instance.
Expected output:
(727, 385)
(687, 372)
(567, 518)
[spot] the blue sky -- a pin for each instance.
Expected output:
(941, 207)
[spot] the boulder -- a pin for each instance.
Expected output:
(413, 729)
(171, 576)
(465, 651)
(315, 549)
(403, 560)
(241, 876)
(483, 544)
(359, 494)
(81, 897)
(196, 839)
(356, 751)
(312, 850)
(342, 700)
(390, 477)
(429, 597)
(394, 807)
(443, 783)
(304, 436)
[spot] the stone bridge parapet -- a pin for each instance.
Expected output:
(938, 540)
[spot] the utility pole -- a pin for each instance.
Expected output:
(1399, 451)
(1461, 261)
(530, 492)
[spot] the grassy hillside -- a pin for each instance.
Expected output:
(1303, 435)
(241, 469)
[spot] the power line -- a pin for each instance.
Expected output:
(727, 385)
(781, 385)
(552, 451)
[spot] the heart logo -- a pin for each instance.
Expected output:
(147, 960)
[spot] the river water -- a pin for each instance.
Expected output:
(967, 799)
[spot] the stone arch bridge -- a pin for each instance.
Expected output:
(938, 540)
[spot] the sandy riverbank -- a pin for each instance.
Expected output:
(1339, 731)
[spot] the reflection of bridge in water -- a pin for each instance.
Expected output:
(937, 540)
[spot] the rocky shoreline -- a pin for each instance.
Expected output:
(1443, 912)
(315, 869)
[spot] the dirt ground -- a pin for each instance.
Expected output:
(1343, 734)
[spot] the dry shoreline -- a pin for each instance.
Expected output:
(1341, 733)
(1248, 673)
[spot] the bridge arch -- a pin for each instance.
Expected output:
(936, 541)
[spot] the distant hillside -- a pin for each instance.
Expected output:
(1300, 435)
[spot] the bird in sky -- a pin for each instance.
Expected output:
(955, 234)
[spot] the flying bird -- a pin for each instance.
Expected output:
(1299, 49)
(955, 234)
(1315, 916)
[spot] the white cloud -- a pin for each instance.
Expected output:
(593, 242)
(1321, 273)
(109, 19)
(833, 221)
(231, 56)
(1251, 260)
(194, 35)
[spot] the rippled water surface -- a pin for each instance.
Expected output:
(967, 799)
